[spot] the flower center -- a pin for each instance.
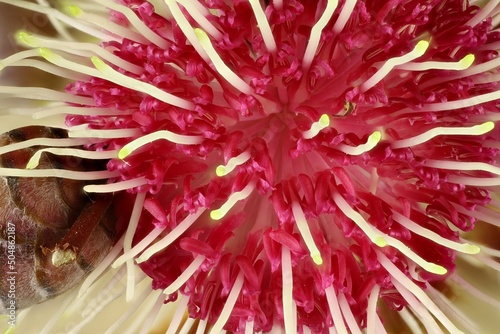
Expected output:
(308, 155)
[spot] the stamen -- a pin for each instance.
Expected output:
(202, 325)
(344, 16)
(356, 217)
(54, 142)
(263, 25)
(131, 281)
(430, 235)
(460, 65)
(179, 315)
(188, 326)
(372, 141)
(109, 279)
(186, 274)
(487, 215)
(249, 327)
(105, 133)
(114, 187)
(127, 242)
(107, 25)
(316, 127)
(416, 291)
(201, 8)
(52, 12)
(421, 312)
(131, 309)
(474, 181)
(58, 173)
(152, 314)
(145, 242)
(232, 164)
(305, 232)
(287, 294)
(147, 313)
(54, 316)
(186, 28)
(475, 130)
(316, 32)
(171, 236)
(96, 155)
(348, 316)
(480, 68)
(219, 64)
(204, 23)
(428, 266)
(460, 317)
(232, 200)
(483, 13)
(464, 103)
(139, 86)
(102, 303)
(11, 122)
(474, 291)
(374, 181)
(107, 282)
(491, 252)
(136, 22)
(333, 304)
(16, 57)
(229, 305)
(67, 110)
(418, 51)
(175, 138)
(28, 39)
(462, 165)
(487, 261)
(61, 29)
(410, 321)
(45, 94)
(371, 311)
(58, 60)
(101, 267)
(50, 69)
(380, 327)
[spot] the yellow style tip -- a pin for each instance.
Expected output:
(220, 171)
(123, 153)
(467, 61)
(379, 241)
(75, 10)
(317, 259)
(216, 215)
(25, 38)
(422, 46)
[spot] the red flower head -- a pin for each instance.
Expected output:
(295, 162)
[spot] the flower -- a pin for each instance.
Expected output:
(302, 165)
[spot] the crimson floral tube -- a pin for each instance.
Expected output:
(290, 165)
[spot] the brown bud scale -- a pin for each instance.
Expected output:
(52, 234)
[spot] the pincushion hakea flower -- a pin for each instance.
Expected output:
(292, 164)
